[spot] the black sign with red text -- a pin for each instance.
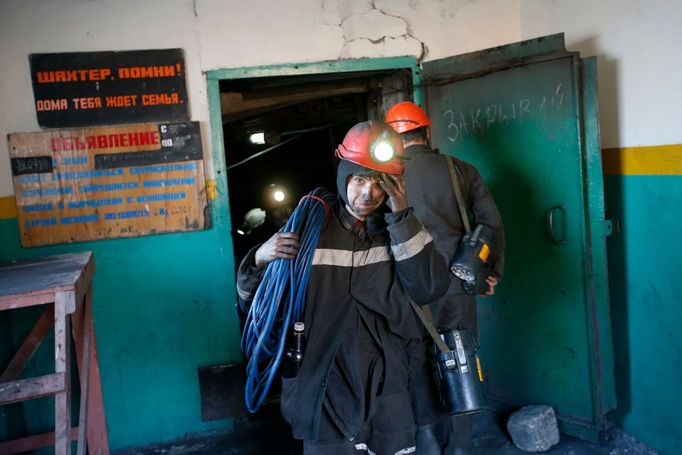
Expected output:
(103, 88)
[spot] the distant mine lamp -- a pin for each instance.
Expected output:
(383, 152)
(278, 195)
(257, 138)
(275, 195)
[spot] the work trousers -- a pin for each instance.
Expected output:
(391, 431)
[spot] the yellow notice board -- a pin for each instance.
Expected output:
(95, 183)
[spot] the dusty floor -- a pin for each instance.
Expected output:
(268, 434)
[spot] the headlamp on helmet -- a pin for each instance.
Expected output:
(382, 152)
(373, 145)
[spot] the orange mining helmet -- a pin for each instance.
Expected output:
(373, 145)
(406, 116)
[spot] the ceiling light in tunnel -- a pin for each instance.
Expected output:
(257, 138)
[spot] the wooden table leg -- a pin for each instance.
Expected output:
(97, 435)
(84, 376)
(62, 341)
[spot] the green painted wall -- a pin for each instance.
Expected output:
(646, 294)
(163, 306)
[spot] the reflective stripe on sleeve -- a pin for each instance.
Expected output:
(345, 258)
(412, 247)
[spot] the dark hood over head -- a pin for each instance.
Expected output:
(344, 171)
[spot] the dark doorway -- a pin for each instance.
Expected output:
(302, 119)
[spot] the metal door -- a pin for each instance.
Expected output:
(525, 115)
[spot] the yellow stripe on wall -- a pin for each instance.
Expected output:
(8, 208)
(654, 160)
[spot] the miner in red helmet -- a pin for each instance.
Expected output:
(351, 392)
(431, 193)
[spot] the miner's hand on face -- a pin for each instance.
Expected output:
(394, 186)
(282, 245)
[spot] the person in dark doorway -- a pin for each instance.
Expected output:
(430, 192)
(351, 393)
(260, 223)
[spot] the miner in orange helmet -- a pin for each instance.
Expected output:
(430, 191)
(351, 392)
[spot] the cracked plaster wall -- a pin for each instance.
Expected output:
(315, 30)
(371, 31)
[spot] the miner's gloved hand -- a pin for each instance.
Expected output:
(394, 186)
(282, 245)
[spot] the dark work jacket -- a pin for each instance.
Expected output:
(357, 292)
(429, 191)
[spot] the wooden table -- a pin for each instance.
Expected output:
(63, 285)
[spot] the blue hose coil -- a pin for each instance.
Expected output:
(280, 299)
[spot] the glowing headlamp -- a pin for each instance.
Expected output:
(382, 152)
(278, 195)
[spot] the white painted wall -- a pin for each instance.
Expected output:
(638, 45)
(228, 34)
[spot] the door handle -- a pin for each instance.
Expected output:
(550, 224)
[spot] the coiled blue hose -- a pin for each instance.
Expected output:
(280, 299)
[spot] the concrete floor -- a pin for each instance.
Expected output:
(267, 433)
